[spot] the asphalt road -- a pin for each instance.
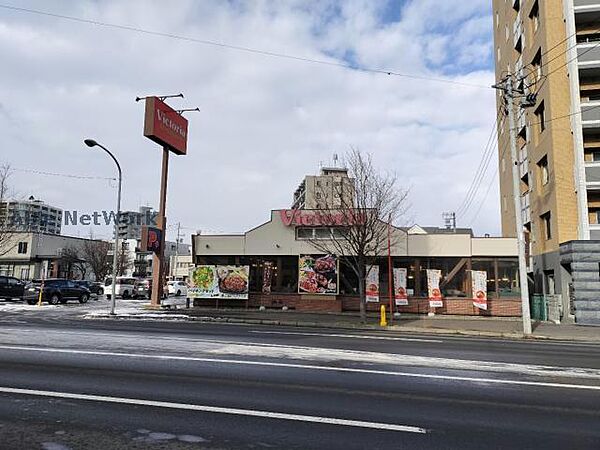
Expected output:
(67, 383)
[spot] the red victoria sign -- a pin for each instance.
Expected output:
(300, 217)
(165, 126)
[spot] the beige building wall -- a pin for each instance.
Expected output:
(552, 142)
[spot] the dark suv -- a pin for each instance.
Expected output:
(94, 287)
(11, 287)
(56, 290)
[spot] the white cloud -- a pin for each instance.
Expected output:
(264, 122)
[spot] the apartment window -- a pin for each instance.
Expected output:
(22, 248)
(543, 166)
(318, 195)
(498, 54)
(596, 156)
(534, 15)
(540, 115)
(497, 20)
(547, 225)
(536, 63)
(506, 32)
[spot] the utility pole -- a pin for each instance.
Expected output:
(506, 86)
(174, 265)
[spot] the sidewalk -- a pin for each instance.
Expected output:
(458, 325)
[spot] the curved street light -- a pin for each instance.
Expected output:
(93, 143)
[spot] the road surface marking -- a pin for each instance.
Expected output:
(217, 410)
(351, 336)
(307, 367)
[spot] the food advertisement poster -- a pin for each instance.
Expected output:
(479, 284)
(267, 277)
(433, 288)
(400, 294)
(318, 274)
(372, 284)
(219, 282)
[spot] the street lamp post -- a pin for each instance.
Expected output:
(93, 143)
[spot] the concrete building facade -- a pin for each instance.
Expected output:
(551, 49)
(31, 215)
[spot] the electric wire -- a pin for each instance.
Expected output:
(65, 175)
(241, 48)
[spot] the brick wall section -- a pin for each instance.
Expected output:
(506, 307)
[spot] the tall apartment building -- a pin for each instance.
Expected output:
(551, 48)
(32, 215)
(131, 222)
(323, 191)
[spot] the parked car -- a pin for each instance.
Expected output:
(124, 287)
(94, 287)
(177, 288)
(55, 291)
(11, 288)
(143, 288)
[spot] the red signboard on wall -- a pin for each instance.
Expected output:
(165, 126)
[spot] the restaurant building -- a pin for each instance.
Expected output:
(283, 243)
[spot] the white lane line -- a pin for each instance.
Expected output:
(351, 336)
(307, 367)
(217, 410)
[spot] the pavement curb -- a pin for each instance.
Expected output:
(339, 326)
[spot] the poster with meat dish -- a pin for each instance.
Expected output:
(219, 282)
(318, 275)
(372, 284)
(479, 285)
(400, 293)
(433, 288)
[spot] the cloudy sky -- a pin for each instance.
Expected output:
(265, 122)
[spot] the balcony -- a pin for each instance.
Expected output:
(518, 33)
(583, 7)
(588, 59)
(523, 162)
(590, 115)
(592, 175)
(594, 231)
(525, 208)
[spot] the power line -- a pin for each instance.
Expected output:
(241, 48)
(65, 175)
(464, 206)
(487, 192)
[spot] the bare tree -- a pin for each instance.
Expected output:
(6, 231)
(97, 255)
(367, 203)
(124, 260)
(74, 257)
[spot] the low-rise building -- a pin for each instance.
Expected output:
(281, 242)
(35, 255)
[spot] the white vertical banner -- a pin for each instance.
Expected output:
(372, 284)
(433, 288)
(479, 285)
(400, 294)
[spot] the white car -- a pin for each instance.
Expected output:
(177, 288)
(124, 287)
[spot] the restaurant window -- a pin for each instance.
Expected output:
(487, 266)
(322, 233)
(304, 233)
(289, 275)
(453, 282)
(508, 278)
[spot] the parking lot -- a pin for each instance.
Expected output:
(17, 311)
